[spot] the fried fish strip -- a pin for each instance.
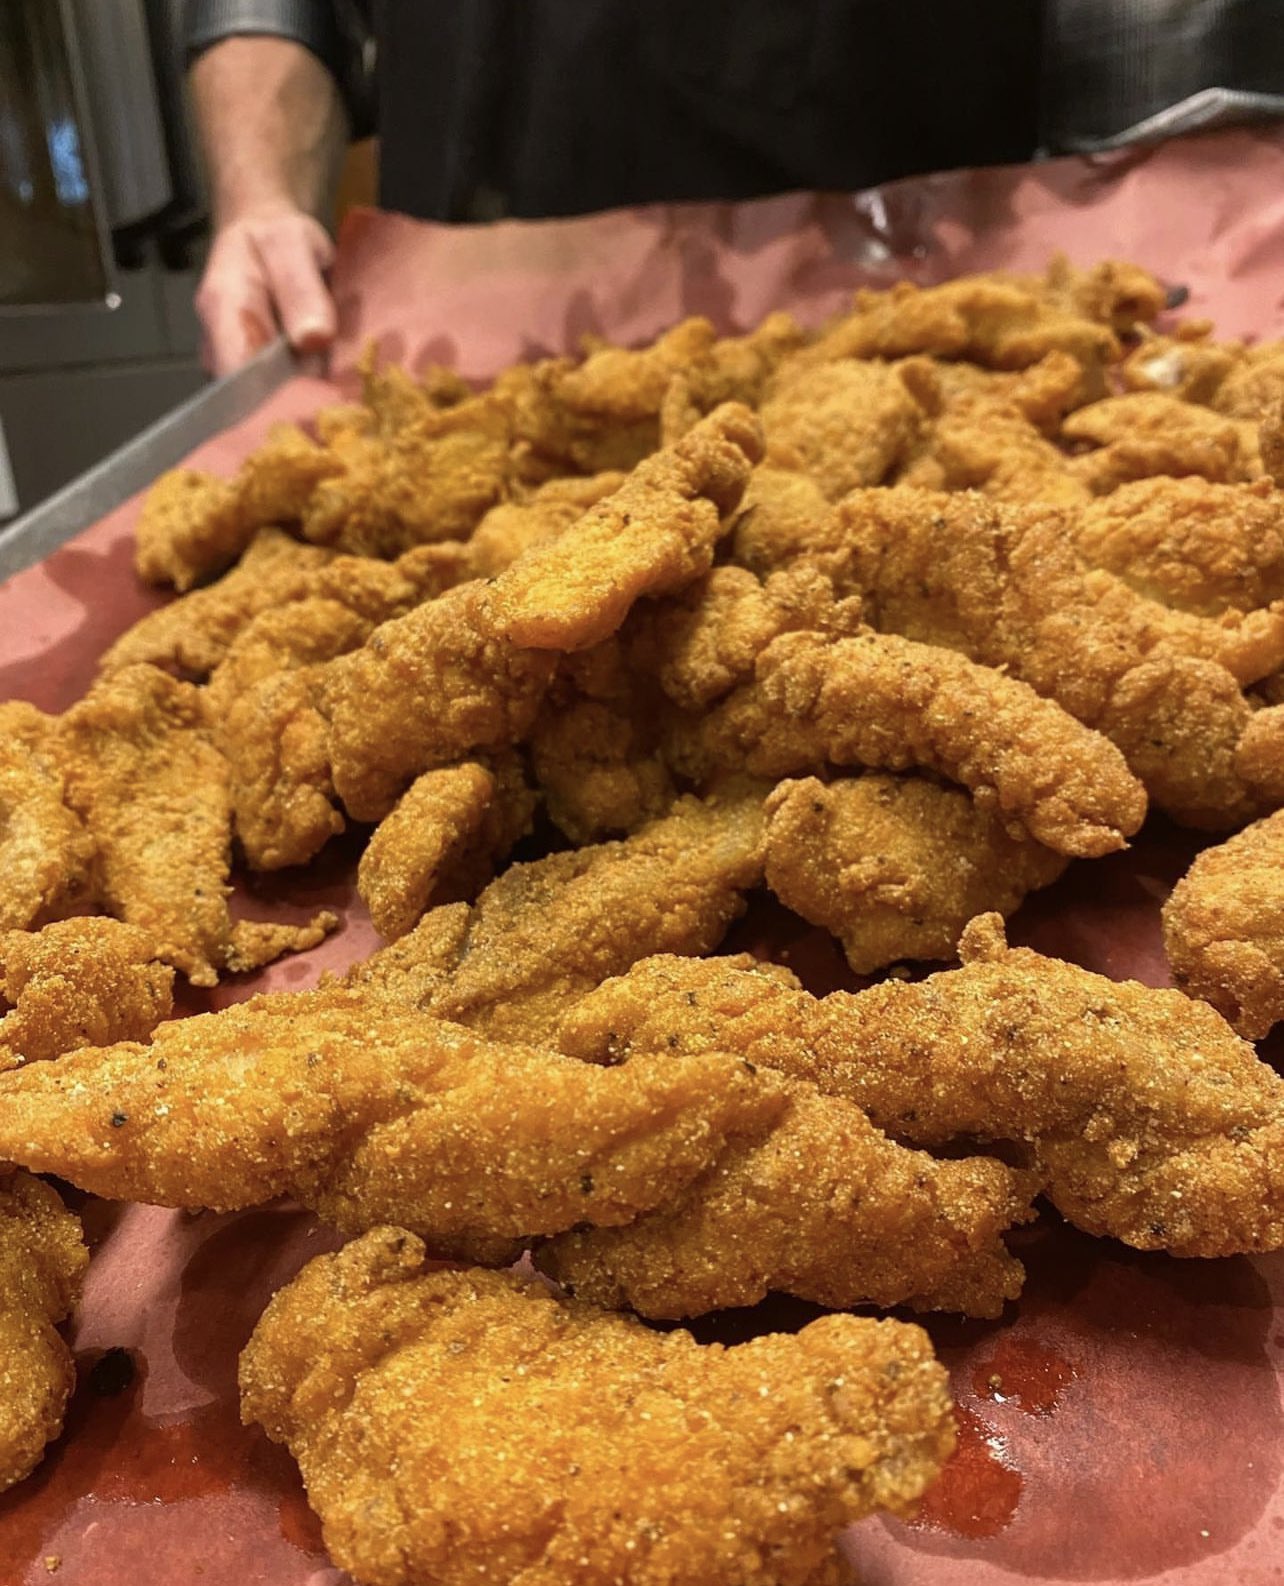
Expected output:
(1004, 585)
(80, 982)
(1144, 433)
(42, 1260)
(1201, 547)
(442, 840)
(895, 867)
(428, 689)
(881, 701)
(650, 537)
(983, 443)
(513, 527)
(545, 933)
(365, 1117)
(1224, 927)
(1141, 1111)
(843, 424)
(46, 855)
(782, 516)
(819, 1204)
(581, 1447)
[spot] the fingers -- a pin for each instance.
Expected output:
(262, 273)
(294, 253)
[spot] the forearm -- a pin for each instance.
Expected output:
(273, 128)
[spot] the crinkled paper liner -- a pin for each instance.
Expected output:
(1123, 1421)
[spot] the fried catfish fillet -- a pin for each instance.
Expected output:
(543, 934)
(366, 1116)
(819, 1204)
(442, 840)
(780, 518)
(1145, 1117)
(1224, 927)
(569, 1445)
(512, 528)
(654, 534)
(42, 1261)
(1199, 546)
(46, 855)
(79, 982)
(1144, 433)
(843, 424)
(895, 867)
(1004, 585)
(982, 443)
(881, 701)
(436, 686)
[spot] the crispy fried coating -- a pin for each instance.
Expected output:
(704, 641)
(1186, 364)
(513, 527)
(580, 1448)
(1043, 393)
(1143, 433)
(1224, 927)
(782, 516)
(1259, 755)
(819, 1204)
(442, 840)
(650, 537)
(46, 855)
(884, 702)
(192, 634)
(427, 689)
(981, 443)
(366, 1116)
(152, 790)
(1202, 547)
(543, 933)
(1254, 387)
(42, 1260)
(1004, 585)
(997, 322)
(895, 867)
(595, 746)
(1149, 1119)
(190, 526)
(80, 982)
(843, 424)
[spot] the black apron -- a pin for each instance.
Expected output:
(558, 107)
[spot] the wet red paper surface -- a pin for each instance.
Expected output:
(1122, 1422)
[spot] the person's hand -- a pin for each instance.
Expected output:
(265, 271)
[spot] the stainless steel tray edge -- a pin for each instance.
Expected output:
(31, 537)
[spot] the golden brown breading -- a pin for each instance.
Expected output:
(1254, 387)
(703, 642)
(1141, 1111)
(884, 702)
(1186, 364)
(1143, 433)
(782, 515)
(190, 526)
(1224, 927)
(366, 1115)
(997, 322)
(152, 790)
(895, 867)
(442, 840)
(81, 982)
(191, 635)
(1259, 756)
(1005, 585)
(983, 443)
(650, 537)
(843, 424)
(42, 1260)
(543, 933)
(817, 1204)
(1148, 1117)
(1201, 547)
(1043, 393)
(428, 689)
(46, 855)
(580, 1448)
(428, 479)
(513, 527)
